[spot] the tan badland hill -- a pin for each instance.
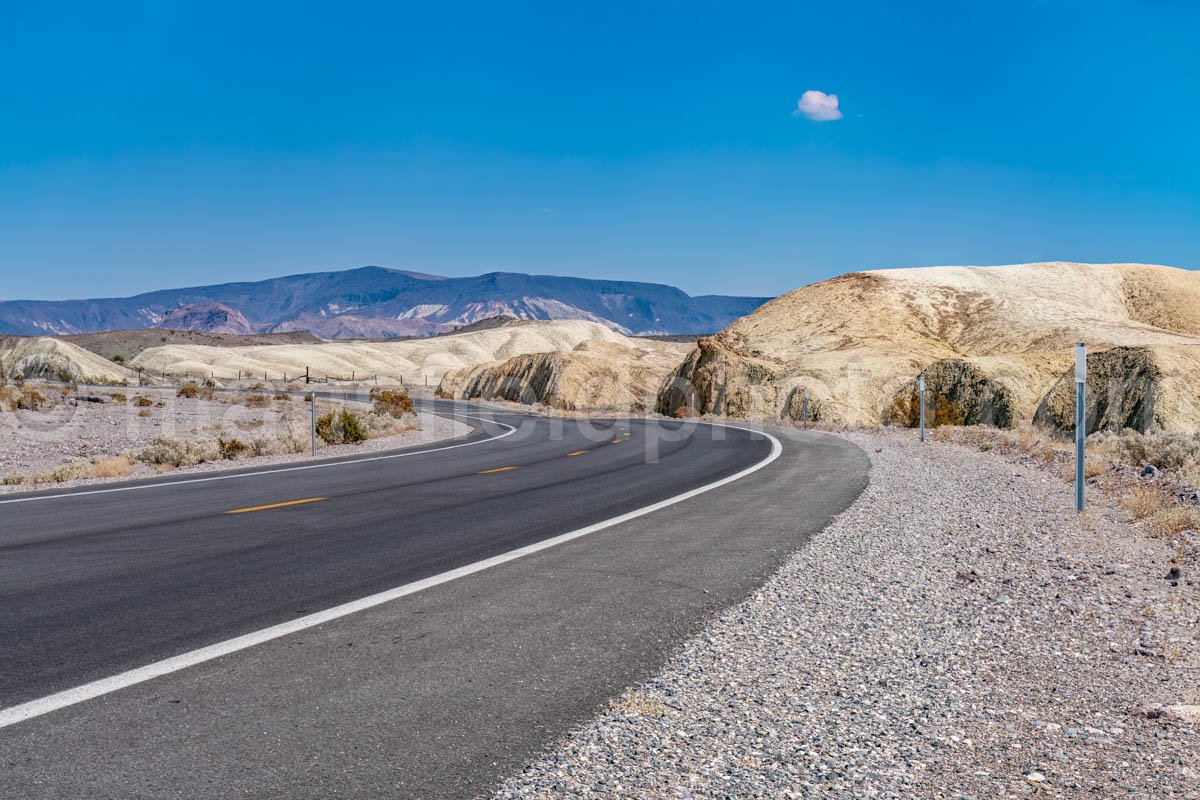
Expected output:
(44, 357)
(994, 342)
(413, 360)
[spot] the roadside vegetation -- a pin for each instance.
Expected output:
(1154, 477)
(256, 424)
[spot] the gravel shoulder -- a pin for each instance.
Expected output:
(66, 431)
(959, 632)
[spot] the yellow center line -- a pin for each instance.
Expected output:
(498, 469)
(617, 441)
(276, 505)
(578, 452)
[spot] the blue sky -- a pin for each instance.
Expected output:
(148, 145)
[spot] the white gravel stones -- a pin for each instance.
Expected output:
(958, 633)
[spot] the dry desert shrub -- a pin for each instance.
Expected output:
(194, 391)
(258, 401)
(30, 399)
(1175, 520)
(165, 451)
(292, 440)
(1142, 502)
(117, 467)
(395, 404)
(118, 398)
(1168, 451)
(142, 402)
(1091, 468)
(231, 448)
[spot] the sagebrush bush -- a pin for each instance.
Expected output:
(142, 402)
(1171, 452)
(194, 391)
(1174, 520)
(231, 448)
(258, 401)
(1141, 502)
(30, 399)
(395, 403)
(165, 451)
(341, 427)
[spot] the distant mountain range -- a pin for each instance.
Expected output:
(375, 303)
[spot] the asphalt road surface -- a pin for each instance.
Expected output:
(436, 691)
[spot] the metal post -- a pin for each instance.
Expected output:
(1080, 420)
(921, 401)
(312, 396)
(693, 404)
(804, 405)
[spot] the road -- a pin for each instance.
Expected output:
(457, 678)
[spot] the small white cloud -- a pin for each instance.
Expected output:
(817, 106)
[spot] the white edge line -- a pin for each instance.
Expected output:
(234, 476)
(89, 691)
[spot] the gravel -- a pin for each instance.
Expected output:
(957, 633)
(76, 428)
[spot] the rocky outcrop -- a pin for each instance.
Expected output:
(719, 378)
(1122, 384)
(594, 375)
(956, 393)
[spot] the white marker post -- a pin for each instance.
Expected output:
(1080, 420)
(921, 402)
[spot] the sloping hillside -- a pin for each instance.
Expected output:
(993, 340)
(373, 302)
(414, 360)
(44, 357)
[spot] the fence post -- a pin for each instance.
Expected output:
(921, 402)
(312, 407)
(804, 406)
(1080, 420)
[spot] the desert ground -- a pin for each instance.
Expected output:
(57, 436)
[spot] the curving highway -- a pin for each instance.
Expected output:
(245, 594)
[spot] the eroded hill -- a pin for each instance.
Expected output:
(993, 342)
